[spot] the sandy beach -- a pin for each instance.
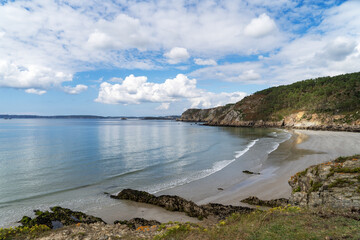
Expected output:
(230, 185)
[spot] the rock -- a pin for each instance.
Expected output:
(249, 172)
(175, 203)
(171, 203)
(138, 222)
(58, 217)
(252, 200)
(223, 211)
(333, 184)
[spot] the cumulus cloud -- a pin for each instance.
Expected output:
(136, 90)
(260, 27)
(30, 76)
(35, 91)
(331, 48)
(43, 49)
(205, 62)
(177, 55)
(75, 90)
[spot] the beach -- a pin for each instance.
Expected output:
(230, 185)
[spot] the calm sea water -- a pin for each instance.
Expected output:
(72, 162)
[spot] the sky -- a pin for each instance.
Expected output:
(161, 57)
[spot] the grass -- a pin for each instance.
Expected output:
(22, 232)
(276, 223)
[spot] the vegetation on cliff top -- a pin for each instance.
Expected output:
(277, 223)
(325, 97)
(334, 95)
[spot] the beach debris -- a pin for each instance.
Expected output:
(249, 172)
(220, 189)
(252, 200)
(58, 217)
(175, 203)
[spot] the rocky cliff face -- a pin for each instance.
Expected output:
(244, 114)
(333, 184)
(329, 103)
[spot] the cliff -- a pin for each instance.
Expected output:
(329, 103)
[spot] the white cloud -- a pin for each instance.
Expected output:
(209, 99)
(75, 90)
(339, 49)
(30, 76)
(260, 27)
(204, 62)
(123, 32)
(136, 90)
(163, 106)
(35, 91)
(245, 72)
(177, 55)
(331, 48)
(42, 49)
(83, 35)
(249, 75)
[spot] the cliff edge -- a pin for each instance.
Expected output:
(328, 103)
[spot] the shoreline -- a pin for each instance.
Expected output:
(303, 149)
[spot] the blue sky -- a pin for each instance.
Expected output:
(137, 58)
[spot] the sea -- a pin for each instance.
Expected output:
(73, 163)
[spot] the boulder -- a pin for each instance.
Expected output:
(58, 217)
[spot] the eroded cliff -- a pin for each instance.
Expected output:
(331, 103)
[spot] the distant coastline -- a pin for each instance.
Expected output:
(9, 116)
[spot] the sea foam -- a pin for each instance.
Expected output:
(217, 166)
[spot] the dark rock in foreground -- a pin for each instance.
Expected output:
(175, 203)
(252, 200)
(138, 222)
(59, 217)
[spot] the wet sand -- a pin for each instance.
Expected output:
(303, 149)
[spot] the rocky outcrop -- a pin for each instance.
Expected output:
(252, 200)
(235, 117)
(333, 184)
(138, 222)
(58, 217)
(175, 203)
